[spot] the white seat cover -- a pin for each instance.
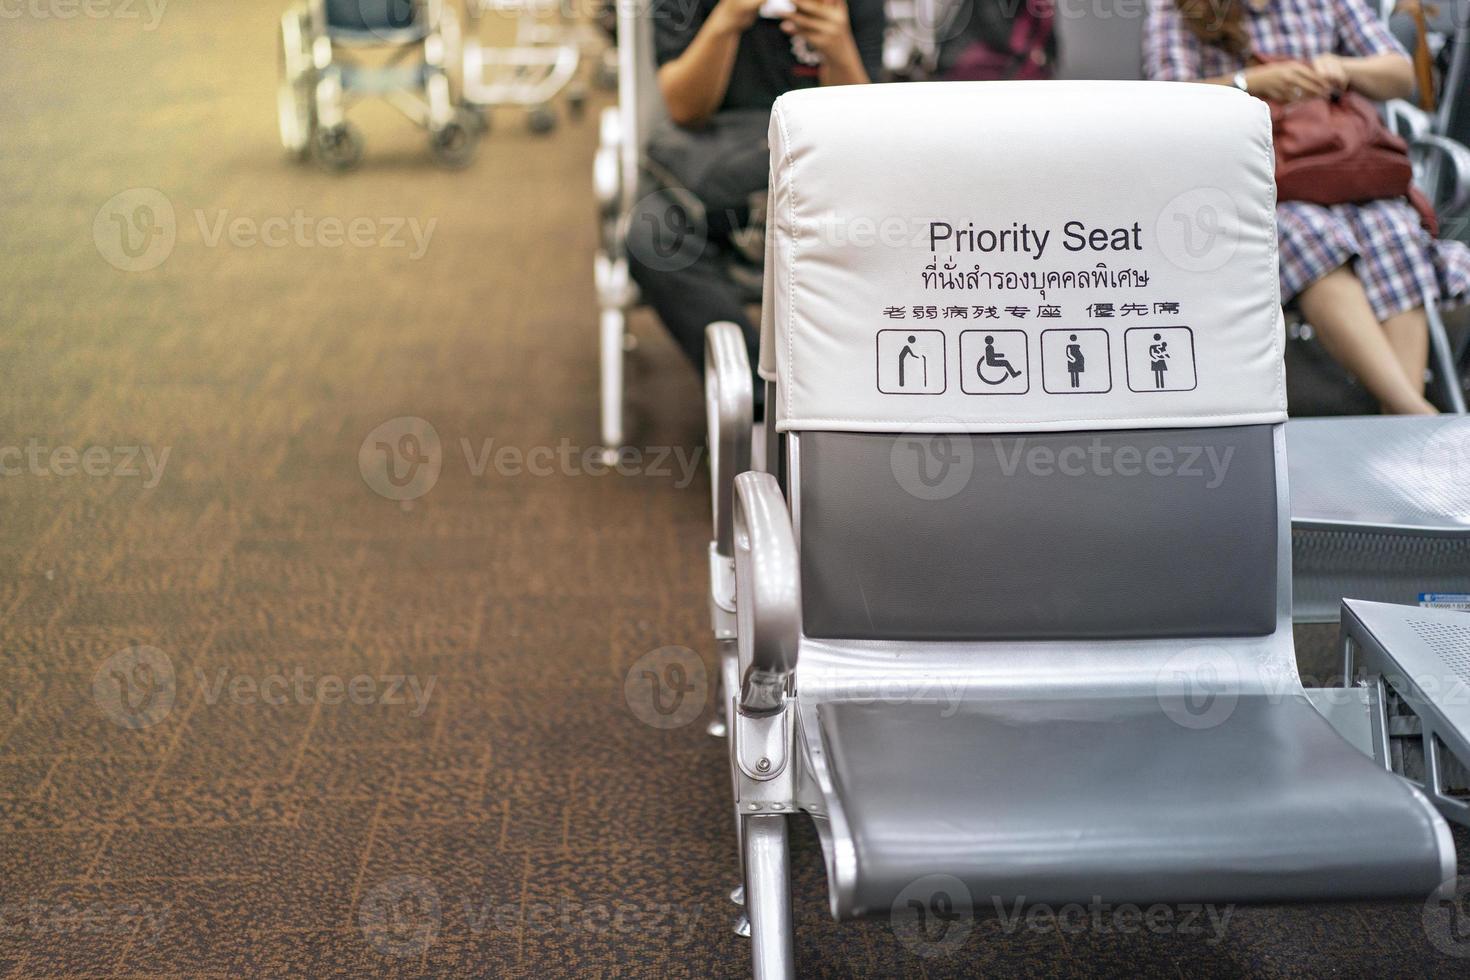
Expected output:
(1113, 243)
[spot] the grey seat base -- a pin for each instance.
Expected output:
(1118, 798)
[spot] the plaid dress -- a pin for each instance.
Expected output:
(1398, 262)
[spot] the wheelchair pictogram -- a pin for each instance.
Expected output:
(994, 362)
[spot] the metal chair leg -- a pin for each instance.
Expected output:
(1443, 357)
(768, 897)
(727, 682)
(611, 344)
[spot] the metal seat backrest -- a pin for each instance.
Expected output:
(1101, 41)
(1035, 395)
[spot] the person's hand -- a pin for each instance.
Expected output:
(1333, 70)
(737, 15)
(1286, 81)
(824, 26)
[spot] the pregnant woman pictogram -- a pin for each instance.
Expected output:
(1076, 363)
(995, 360)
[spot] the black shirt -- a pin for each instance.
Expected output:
(768, 63)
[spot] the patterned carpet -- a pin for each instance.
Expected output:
(273, 708)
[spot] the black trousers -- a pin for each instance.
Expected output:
(681, 266)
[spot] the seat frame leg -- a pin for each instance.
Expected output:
(768, 896)
(613, 327)
(1442, 357)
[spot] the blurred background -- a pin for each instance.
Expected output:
(318, 605)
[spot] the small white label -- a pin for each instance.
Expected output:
(1445, 600)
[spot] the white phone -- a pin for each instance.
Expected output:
(777, 9)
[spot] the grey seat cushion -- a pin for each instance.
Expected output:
(1061, 801)
(1063, 535)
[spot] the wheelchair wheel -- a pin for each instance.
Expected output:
(576, 102)
(478, 116)
(338, 148)
(541, 119)
(605, 76)
(295, 93)
(454, 143)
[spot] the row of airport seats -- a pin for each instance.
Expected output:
(1043, 682)
(1095, 43)
(1111, 47)
(332, 54)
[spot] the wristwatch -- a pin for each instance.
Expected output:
(1239, 82)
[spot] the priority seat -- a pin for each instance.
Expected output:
(1016, 615)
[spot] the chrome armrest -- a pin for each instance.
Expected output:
(1406, 119)
(768, 591)
(1450, 154)
(728, 401)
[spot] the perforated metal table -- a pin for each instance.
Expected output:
(1417, 662)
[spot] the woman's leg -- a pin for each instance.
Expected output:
(1338, 309)
(1408, 335)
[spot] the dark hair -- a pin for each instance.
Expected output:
(1217, 22)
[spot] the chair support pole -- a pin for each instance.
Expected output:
(768, 897)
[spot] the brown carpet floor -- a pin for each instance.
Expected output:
(194, 781)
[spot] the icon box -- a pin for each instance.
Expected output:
(911, 362)
(979, 377)
(1160, 359)
(1095, 349)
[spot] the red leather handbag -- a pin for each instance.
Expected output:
(1336, 150)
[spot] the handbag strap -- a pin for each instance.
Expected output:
(1423, 60)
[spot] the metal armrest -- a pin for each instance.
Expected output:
(1406, 119)
(768, 588)
(1451, 154)
(728, 408)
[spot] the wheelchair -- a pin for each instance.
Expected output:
(543, 61)
(980, 720)
(319, 79)
(619, 169)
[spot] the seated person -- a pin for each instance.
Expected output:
(1359, 273)
(721, 67)
(997, 40)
